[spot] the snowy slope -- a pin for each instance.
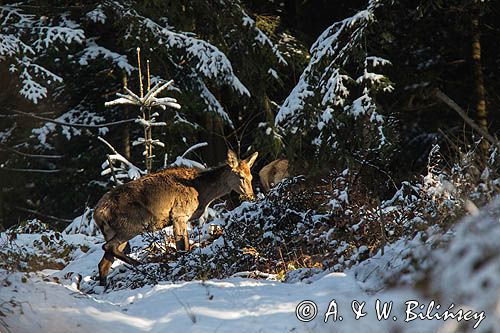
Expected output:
(214, 306)
(55, 301)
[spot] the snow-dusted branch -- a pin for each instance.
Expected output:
(185, 162)
(194, 147)
(147, 101)
(132, 171)
(339, 85)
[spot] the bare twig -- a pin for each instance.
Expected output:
(30, 170)
(382, 230)
(455, 107)
(2, 147)
(107, 144)
(112, 169)
(71, 124)
(43, 215)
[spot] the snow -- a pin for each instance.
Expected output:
(213, 105)
(125, 168)
(83, 225)
(208, 60)
(262, 38)
(328, 91)
(79, 114)
(92, 50)
(182, 161)
(26, 39)
(229, 305)
(31, 301)
(97, 15)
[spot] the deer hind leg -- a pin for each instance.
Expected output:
(104, 266)
(181, 234)
(107, 261)
(115, 246)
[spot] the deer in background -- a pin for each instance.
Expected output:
(273, 173)
(172, 196)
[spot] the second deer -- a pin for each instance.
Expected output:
(273, 173)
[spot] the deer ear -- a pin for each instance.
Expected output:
(251, 160)
(232, 159)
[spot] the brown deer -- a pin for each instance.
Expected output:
(273, 173)
(172, 196)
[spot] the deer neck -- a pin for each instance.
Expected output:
(212, 184)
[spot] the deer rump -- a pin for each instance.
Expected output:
(273, 173)
(172, 196)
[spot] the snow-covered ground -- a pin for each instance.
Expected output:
(229, 305)
(464, 282)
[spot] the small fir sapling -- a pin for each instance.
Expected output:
(146, 102)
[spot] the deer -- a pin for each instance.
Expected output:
(173, 196)
(273, 173)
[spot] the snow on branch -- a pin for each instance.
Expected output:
(262, 38)
(25, 38)
(209, 60)
(125, 169)
(149, 100)
(185, 162)
(71, 121)
(329, 86)
(92, 51)
(213, 105)
(97, 15)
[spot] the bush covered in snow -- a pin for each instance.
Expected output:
(34, 246)
(328, 223)
(466, 270)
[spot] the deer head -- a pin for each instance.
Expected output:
(240, 178)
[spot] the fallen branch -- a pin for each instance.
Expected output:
(58, 122)
(455, 107)
(255, 274)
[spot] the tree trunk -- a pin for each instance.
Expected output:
(481, 112)
(126, 128)
(126, 136)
